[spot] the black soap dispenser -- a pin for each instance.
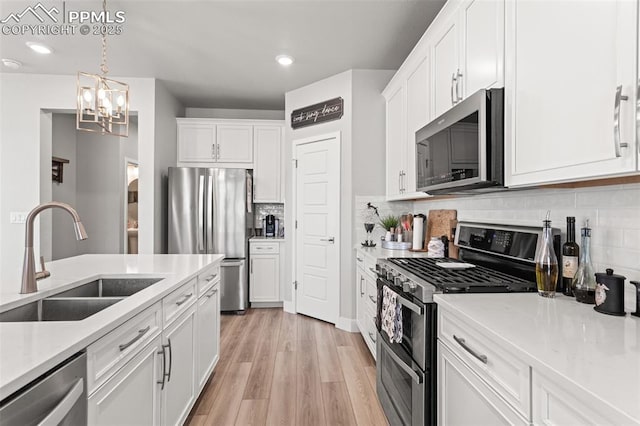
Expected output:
(610, 293)
(637, 284)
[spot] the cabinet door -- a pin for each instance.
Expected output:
(361, 302)
(564, 87)
(482, 58)
(267, 164)
(395, 142)
(445, 67)
(178, 395)
(132, 395)
(208, 335)
(264, 278)
(196, 142)
(418, 114)
(235, 143)
(464, 399)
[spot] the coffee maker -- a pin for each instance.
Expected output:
(270, 226)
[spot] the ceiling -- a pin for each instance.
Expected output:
(221, 54)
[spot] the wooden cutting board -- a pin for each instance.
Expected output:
(439, 223)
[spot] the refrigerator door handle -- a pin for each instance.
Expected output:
(210, 215)
(200, 233)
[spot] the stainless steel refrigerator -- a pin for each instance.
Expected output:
(210, 211)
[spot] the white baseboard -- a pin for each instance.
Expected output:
(347, 324)
(259, 305)
(289, 307)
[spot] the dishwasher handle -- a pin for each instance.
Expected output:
(55, 417)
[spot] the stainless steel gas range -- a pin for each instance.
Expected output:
(493, 259)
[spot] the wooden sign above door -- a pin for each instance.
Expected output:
(319, 113)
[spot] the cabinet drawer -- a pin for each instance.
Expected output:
(207, 279)
(264, 248)
(178, 302)
(111, 352)
(370, 267)
(502, 369)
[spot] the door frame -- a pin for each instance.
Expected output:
(294, 177)
(125, 207)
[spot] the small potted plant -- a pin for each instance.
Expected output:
(389, 223)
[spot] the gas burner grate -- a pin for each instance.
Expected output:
(478, 276)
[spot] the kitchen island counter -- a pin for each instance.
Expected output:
(29, 349)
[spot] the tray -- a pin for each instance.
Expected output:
(394, 245)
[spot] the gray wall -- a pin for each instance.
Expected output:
(251, 114)
(165, 156)
(63, 241)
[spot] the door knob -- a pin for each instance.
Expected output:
(330, 240)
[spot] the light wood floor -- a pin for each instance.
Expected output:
(284, 369)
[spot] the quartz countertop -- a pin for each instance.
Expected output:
(564, 339)
(378, 252)
(29, 349)
(262, 239)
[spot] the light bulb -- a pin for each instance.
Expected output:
(101, 93)
(86, 94)
(107, 106)
(120, 101)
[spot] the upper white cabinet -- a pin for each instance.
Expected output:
(446, 66)
(196, 141)
(570, 90)
(234, 143)
(395, 140)
(267, 148)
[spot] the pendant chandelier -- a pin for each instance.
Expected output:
(102, 104)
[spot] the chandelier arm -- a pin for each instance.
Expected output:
(103, 30)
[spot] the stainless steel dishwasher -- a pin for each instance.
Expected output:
(58, 397)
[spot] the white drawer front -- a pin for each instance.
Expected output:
(207, 279)
(111, 352)
(502, 369)
(264, 248)
(370, 267)
(178, 302)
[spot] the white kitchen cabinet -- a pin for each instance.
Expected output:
(267, 171)
(465, 399)
(132, 395)
(196, 141)
(234, 143)
(179, 393)
(264, 278)
(446, 65)
(395, 140)
(564, 85)
(208, 335)
(361, 295)
(366, 299)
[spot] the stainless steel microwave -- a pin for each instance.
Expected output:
(462, 150)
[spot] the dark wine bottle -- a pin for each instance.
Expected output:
(570, 256)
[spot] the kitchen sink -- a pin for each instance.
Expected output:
(59, 309)
(80, 302)
(110, 287)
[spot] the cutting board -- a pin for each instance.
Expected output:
(439, 223)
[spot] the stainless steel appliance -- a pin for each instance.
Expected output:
(463, 149)
(493, 259)
(270, 226)
(59, 397)
(210, 212)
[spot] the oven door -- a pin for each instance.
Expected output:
(415, 328)
(401, 386)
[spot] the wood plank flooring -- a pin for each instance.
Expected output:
(282, 369)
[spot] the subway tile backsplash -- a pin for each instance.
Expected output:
(613, 213)
(361, 213)
(261, 210)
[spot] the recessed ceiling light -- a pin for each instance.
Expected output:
(285, 60)
(39, 47)
(11, 63)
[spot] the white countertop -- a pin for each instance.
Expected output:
(262, 239)
(29, 349)
(597, 352)
(378, 252)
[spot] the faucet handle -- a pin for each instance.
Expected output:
(44, 273)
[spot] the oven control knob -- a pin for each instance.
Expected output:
(412, 287)
(399, 281)
(390, 275)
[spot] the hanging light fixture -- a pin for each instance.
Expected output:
(103, 104)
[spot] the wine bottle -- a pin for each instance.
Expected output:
(547, 263)
(570, 256)
(584, 282)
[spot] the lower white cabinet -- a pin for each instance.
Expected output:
(132, 395)
(465, 399)
(265, 264)
(366, 300)
(179, 392)
(207, 335)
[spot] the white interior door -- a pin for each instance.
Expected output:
(317, 235)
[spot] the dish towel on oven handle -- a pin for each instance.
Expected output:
(391, 315)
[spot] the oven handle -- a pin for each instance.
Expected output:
(416, 376)
(408, 303)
